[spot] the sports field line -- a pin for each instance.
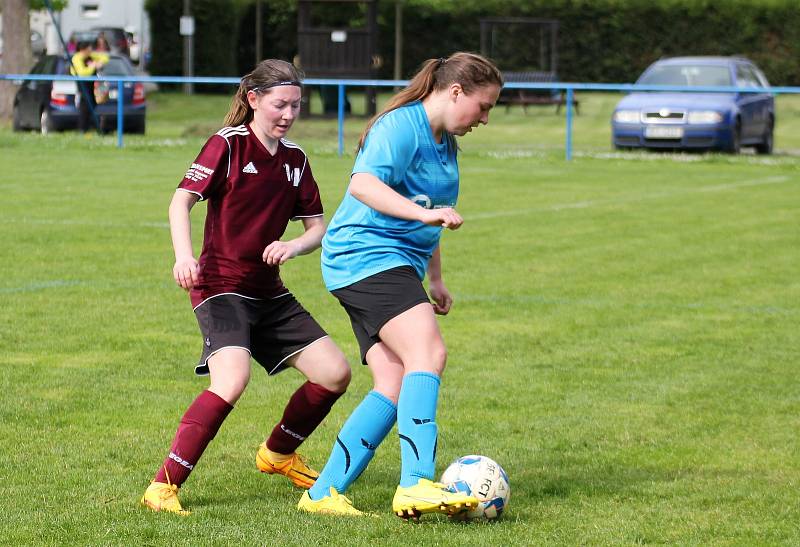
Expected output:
(641, 197)
(542, 300)
(476, 216)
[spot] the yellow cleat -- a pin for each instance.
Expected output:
(430, 497)
(335, 504)
(294, 467)
(161, 496)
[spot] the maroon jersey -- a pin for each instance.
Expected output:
(251, 196)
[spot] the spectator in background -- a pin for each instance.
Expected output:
(86, 62)
(72, 46)
(101, 43)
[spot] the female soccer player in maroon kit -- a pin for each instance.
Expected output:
(255, 181)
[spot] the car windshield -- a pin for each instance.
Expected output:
(687, 75)
(85, 36)
(116, 67)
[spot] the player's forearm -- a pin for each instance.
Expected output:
(180, 226)
(311, 239)
(372, 192)
(435, 266)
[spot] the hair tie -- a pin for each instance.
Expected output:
(442, 61)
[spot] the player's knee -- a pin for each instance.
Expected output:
(340, 377)
(333, 373)
(389, 383)
(231, 386)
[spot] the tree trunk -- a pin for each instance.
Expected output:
(17, 57)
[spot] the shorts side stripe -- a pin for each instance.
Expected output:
(277, 365)
(239, 295)
(205, 363)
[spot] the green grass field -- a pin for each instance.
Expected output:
(624, 342)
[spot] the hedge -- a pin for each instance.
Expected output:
(599, 40)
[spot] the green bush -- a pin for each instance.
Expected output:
(599, 40)
(216, 29)
(608, 40)
(278, 33)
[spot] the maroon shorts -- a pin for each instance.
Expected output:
(272, 330)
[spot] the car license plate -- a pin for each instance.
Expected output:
(662, 132)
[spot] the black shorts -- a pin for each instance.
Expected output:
(272, 330)
(373, 301)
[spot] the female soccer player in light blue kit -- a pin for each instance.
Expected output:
(377, 249)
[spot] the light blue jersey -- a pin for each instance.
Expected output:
(400, 151)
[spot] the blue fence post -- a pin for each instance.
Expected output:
(569, 123)
(120, 110)
(341, 119)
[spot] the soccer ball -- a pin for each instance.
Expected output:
(483, 478)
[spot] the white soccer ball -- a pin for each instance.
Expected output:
(483, 478)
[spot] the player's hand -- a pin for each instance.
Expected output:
(446, 217)
(279, 252)
(442, 300)
(186, 272)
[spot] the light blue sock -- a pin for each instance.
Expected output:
(361, 434)
(416, 424)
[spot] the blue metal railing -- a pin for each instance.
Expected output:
(567, 87)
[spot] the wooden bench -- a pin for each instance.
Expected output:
(526, 97)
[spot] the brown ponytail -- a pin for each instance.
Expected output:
(267, 73)
(470, 70)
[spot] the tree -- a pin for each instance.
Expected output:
(17, 56)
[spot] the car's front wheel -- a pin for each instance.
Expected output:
(46, 122)
(17, 120)
(735, 145)
(765, 147)
(138, 128)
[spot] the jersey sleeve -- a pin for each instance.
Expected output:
(388, 149)
(209, 171)
(309, 202)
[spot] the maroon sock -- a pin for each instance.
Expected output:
(198, 426)
(305, 411)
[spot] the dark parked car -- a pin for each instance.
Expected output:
(52, 106)
(37, 44)
(698, 120)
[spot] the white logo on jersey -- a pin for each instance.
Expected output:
(292, 175)
(422, 200)
(250, 168)
(198, 172)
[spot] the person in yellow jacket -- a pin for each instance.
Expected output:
(86, 62)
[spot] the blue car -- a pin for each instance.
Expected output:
(46, 106)
(697, 120)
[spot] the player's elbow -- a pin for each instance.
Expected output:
(359, 186)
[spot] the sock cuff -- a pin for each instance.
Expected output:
(213, 401)
(317, 394)
(383, 405)
(208, 410)
(422, 379)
